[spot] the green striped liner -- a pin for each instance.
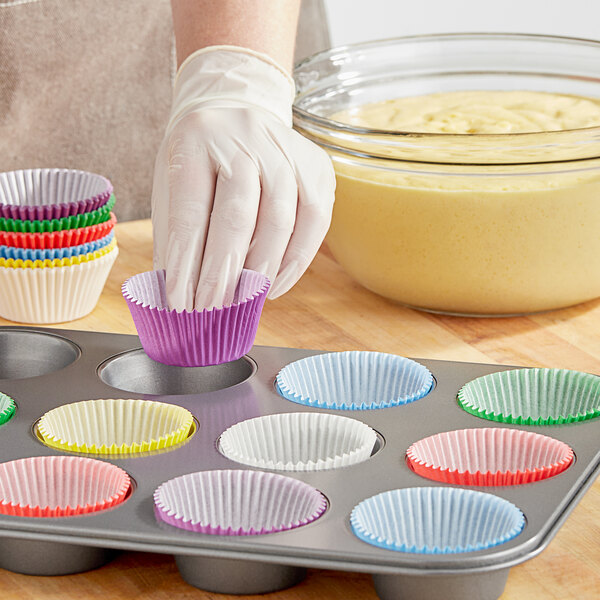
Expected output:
(7, 408)
(71, 222)
(533, 396)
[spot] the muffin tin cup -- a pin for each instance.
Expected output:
(54, 294)
(115, 426)
(489, 456)
(58, 239)
(195, 338)
(533, 396)
(354, 380)
(298, 442)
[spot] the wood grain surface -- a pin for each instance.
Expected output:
(329, 311)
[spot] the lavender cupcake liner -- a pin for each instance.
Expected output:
(436, 520)
(354, 380)
(46, 194)
(195, 338)
(237, 502)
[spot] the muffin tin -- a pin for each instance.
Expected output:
(42, 369)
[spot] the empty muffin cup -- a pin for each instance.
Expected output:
(298, 442)
(39, 194)
(7, 408)
(199, 337)
(489, 456)
(54, 291)
(115, 426)
(436, 520)
(354, 380)
(533, 396)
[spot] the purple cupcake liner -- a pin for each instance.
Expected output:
(237, 502)
(195, 338)
(34, 194)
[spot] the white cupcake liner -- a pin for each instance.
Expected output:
(298, 442)
(115, 426)
(56, 294)
(237, 502)
(354, 380)
(489, 456)
(436, 520)
(58, 486)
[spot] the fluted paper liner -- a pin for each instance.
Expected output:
(436, 520)
(53, 295)
(69, 222)
(199, 337)
(54, 253)
(39, 194)
(237, 502)
(7, 408)
(354, 380)
(298, 442)
(489, 456)
(115, 426)
(533, 396)
(60, 486)
(58, 239)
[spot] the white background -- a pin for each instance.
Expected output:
(361, 20)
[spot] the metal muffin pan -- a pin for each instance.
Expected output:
(83, 365)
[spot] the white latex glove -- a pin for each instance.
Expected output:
(234, 185)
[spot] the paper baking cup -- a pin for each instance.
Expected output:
(199, 337)
(7, 408)
(533, 396)
(237, 502)
(354, 380)
(436, 520)
(58, 239)
(298, 442)
(60, 486)
(490, 456)
(53, 295)
(115, 426)
(54, 253)
(40, 194)
(70, 222)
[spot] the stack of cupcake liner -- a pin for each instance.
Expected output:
(7, 408)
(57, 244)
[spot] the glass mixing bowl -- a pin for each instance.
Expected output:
(466, 224)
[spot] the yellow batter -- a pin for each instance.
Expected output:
(472, 240)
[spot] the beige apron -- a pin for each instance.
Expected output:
(86, 84)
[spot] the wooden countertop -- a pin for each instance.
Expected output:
(329, 311)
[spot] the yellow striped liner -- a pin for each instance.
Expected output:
(19, 263)
(91, 426)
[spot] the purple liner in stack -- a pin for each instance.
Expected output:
(195, 338)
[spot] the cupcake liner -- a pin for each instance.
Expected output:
(54, 253)
(489, 456)
(533, 396)
(60, 486)
(237, 502)
(78, 259)
(7, 408)
(354, 380)
(58, 239)
(53, 295)
(115, 426)
(298, 442)
(44, 194)
(100, 215)
(436, 520)
(199, 337)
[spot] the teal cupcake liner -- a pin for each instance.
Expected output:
(7, 408)
(100, 215)
(533, 396)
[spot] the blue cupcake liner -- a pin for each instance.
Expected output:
(53, 253)
(355, 380)
(436, 520)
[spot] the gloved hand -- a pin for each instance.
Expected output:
(234, 185)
